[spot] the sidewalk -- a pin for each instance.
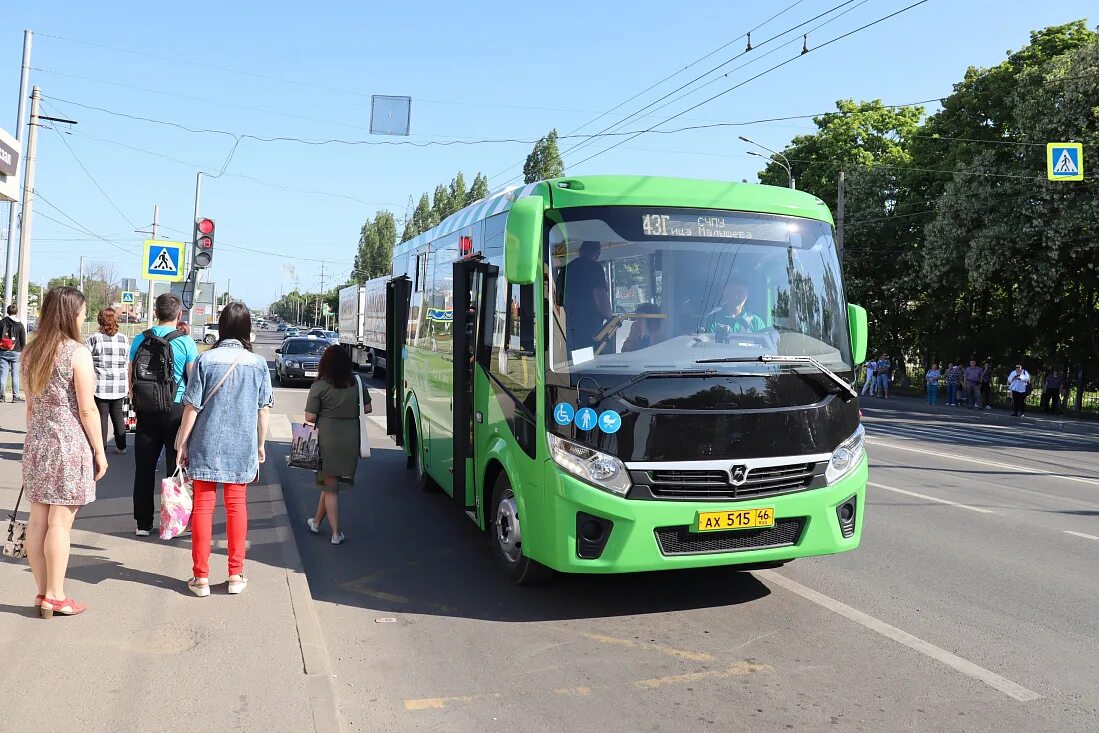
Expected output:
(147, 652)
(878, 407)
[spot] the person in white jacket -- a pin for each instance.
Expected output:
(1019, 384)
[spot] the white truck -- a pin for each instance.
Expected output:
(362, 324)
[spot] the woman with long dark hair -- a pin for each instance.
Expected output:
(63, 452)
(225, 413)
(111, 357)
(333, 404)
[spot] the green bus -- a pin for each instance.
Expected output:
(622, 373)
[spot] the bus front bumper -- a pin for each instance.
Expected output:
(657, 535)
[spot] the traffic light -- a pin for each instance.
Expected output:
(203, 253)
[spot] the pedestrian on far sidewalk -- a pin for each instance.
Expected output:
(221, 440)
(13, 339)
(986, 386)
(932, 378)
(63, 452)
(161, 359)
(953, 378)
(111, 357)
(1051, 392)
(972, 377)
(885, 368)
(871, 377)
(1019, 384)
(333, 404)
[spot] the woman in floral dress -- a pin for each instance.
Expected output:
(63, 452)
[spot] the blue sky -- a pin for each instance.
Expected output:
(474, 71)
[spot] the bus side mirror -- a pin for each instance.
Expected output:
(523, 240)
(856, 323)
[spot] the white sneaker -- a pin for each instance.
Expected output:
(141, 532)
(199, 586)
(337, 539)
(313, 526)
(237, 584)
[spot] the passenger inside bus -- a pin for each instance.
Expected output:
(585, 297)
(732, 316)
(648, 328)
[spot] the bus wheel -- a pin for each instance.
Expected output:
(507, 537)
(423, 479)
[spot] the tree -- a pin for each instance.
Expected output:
(479, 189)
(423, 218)
(869, 142)
(459, 196)
(440, 203)
(71, 281)
(544, 160)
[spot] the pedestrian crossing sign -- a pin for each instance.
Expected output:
(162, 260)
(1065, 161)
(127, 297)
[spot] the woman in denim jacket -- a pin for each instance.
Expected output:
(225, 413)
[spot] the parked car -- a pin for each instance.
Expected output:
(212, 334)
(298, 358)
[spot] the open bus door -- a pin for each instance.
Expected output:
(474, 306)
(397, 292)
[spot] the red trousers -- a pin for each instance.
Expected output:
(202, 521)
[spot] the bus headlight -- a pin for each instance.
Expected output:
(846, 456)
(603, 471)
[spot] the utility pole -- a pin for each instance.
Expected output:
(28, 206)
(82, 273)
(24, 75)
(839, 220)
(317, 310)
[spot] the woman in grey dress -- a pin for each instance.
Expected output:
(333, 404)
(63, 452)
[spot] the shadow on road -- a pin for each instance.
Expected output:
(413, 552)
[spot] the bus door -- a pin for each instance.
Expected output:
(397, 293)
(474, 302)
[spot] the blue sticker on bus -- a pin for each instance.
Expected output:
(586, 418)
(610, 421)
(563, 413)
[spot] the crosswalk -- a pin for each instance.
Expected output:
(975, 434)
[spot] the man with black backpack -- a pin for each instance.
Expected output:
(13, 337)
(161, 359)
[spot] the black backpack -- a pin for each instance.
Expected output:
(154, 385)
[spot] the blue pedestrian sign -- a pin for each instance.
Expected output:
(163, 260)
(1065, 161)
(610, 421)
(127, 297)
(563, 413)
(585, 418)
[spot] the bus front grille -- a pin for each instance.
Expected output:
(682, 541)
(717, 484)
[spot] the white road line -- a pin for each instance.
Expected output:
(1080, 534)
(278, 428)
(995, 464)
(931, 498)
(990, 678)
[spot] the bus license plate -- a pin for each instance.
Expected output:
(738, 519)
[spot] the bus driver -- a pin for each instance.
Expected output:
(732, 316)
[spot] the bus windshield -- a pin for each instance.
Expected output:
(636, 289)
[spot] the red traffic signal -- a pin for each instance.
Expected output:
(203, 253)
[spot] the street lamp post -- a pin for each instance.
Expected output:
(784, 163)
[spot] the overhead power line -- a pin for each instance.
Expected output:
(76, 226)
(761, 74)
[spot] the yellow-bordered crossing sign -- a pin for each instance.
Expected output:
(1065, 161)
(163, 260)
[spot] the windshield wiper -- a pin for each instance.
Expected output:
(772, 359)
(604, 394)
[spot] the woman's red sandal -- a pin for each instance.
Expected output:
(66, 607)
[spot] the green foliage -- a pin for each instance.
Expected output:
(954, 240)
(374, 256)
(479, 190)
(544, 160)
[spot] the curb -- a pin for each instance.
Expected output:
(319, 684)
(905, 403)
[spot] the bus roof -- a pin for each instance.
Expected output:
(635, 191)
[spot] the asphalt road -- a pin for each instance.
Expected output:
(972, 605)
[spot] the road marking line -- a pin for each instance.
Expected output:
(1080, 534)
(995, 464)
(438, 703)
(634, 644)
(574, 691)
(278, 428)
(736, 670)
(930, 498)
(990, 678)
